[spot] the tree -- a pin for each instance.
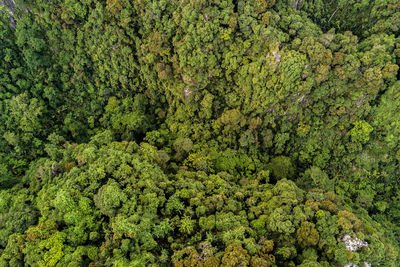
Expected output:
(235, 255)
(307, 235)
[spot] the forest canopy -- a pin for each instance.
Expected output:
(199, 133)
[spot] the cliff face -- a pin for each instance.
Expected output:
(10, 5)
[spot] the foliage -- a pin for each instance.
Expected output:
(199, 133)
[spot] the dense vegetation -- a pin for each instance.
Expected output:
(199, 132)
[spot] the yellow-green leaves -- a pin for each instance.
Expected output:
(361, 132)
